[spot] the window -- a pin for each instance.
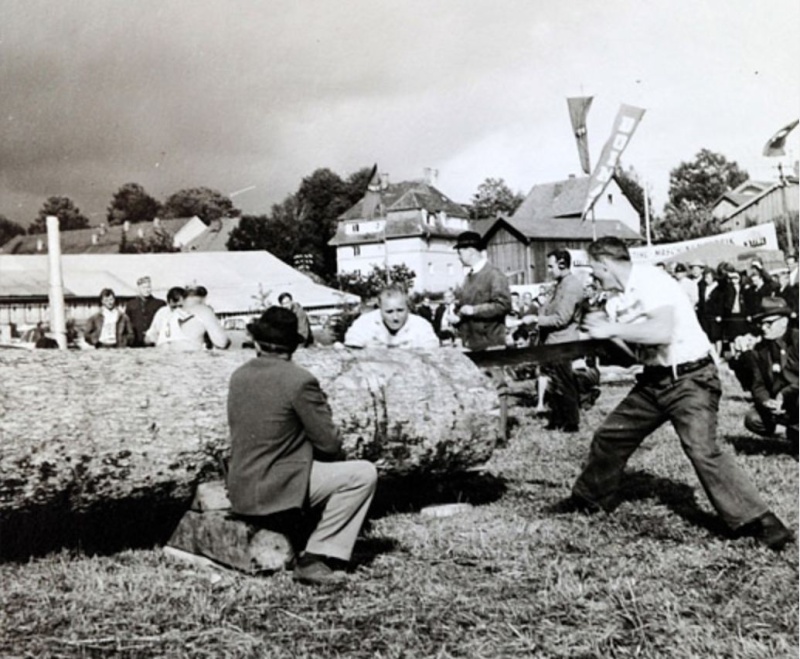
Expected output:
(356, 250)
(356, 228)
(610, 198)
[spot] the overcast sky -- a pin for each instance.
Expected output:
(231, 94)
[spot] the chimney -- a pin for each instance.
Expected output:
(103, 229)
(140, 232)
(126, 226)
(39, 244)
(156, 223)
(215, 225)
(384, 180)
(94, 239)
(431, 175)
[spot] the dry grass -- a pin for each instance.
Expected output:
(658, 578)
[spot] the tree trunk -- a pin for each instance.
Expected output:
(81, 429)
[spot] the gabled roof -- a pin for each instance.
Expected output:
(234, 279)
(553, 211)
(406, 195)
(214, 238)
(752, 200)
(79, 241)
(567, 228)
(744, 192)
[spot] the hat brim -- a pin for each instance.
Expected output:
(766, 314)
(466, 245)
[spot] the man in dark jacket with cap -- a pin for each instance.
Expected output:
(485, 297)
(141, 310)
(774, 373)
(284, 447)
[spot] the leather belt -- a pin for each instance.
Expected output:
(680, 369)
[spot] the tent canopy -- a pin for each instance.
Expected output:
(237, 282)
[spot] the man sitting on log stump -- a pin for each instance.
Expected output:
(283, 451)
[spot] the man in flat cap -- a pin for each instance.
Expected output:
(284, 449)
(485, 297)
(142, 309)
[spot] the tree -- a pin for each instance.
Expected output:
(628, 182)
(684, 223)
(205, 203)
(277, 233)
(69, 216)
(9, 229)
(494, 198)
(160, 241)
(132, 204)
(370, 285)
(702, 181)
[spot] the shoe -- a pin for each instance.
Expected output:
(315, 572)
(573, 504)
(771, 532)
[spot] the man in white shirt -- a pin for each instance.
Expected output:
(679, 383)
(193, 322)
(391, 325)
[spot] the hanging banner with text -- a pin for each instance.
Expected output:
(627, 120)
(760, 236)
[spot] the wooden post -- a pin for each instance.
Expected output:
(58, 321)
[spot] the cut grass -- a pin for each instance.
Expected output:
(658, 578)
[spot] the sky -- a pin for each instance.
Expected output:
(247, 97)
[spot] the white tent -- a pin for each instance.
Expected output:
(237, 282)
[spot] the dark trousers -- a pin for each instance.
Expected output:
(690, 402)
(563, 393)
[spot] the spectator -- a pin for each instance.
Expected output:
(791, 263)
(527, 305)
(391, 325)
(774, 378)
(558, 323)
(696, 271)
(110, 327)
(734, 316)
(284, 453)
(444, 318)
(787, 290)
(192, 322)
(754, 292)
(303, 324)
(485, 296)
(141, 310)
(424, 309)
(687, 284)
(709, 308)
(161, 330)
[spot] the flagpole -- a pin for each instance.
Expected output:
(647, 215)
(786, 217)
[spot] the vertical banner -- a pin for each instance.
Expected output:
(774, 147)
(578, 109)
(627, 120)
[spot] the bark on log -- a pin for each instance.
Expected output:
(83, 428)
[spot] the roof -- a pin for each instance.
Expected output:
(568, 228)
(235, 280)
(564, 198)
(214, 238)
(752, 200)
(744, 192)
(79, 241)
(406, 195)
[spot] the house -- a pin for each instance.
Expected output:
(755, 202)
(185, 234)
(411, 223)
(550, 218)
(238, 282)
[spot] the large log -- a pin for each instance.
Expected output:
(78, 429)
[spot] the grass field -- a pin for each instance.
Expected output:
(658, 578)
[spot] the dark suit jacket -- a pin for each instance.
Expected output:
(141, 311)
(558, 319)
(488, 291)
(776, 370)
(279, 419)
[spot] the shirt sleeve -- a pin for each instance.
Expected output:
(311, 406)
(357, 335)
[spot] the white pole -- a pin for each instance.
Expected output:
(58, 321)
(646, 214)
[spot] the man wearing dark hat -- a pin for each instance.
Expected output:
(141, 310)
(283, 451)
(774, 372)
(485, 296)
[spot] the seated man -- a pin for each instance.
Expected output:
(303, 324)
(774, 372)
(391, 325)
(283, 450)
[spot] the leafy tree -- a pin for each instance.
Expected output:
(132, 204)
(9, 229)
(64, 208)
(494, 198)
(370, 285)
(684, 223)
(277, 233)
(205, 203)
(628, 182)
(703, 180)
